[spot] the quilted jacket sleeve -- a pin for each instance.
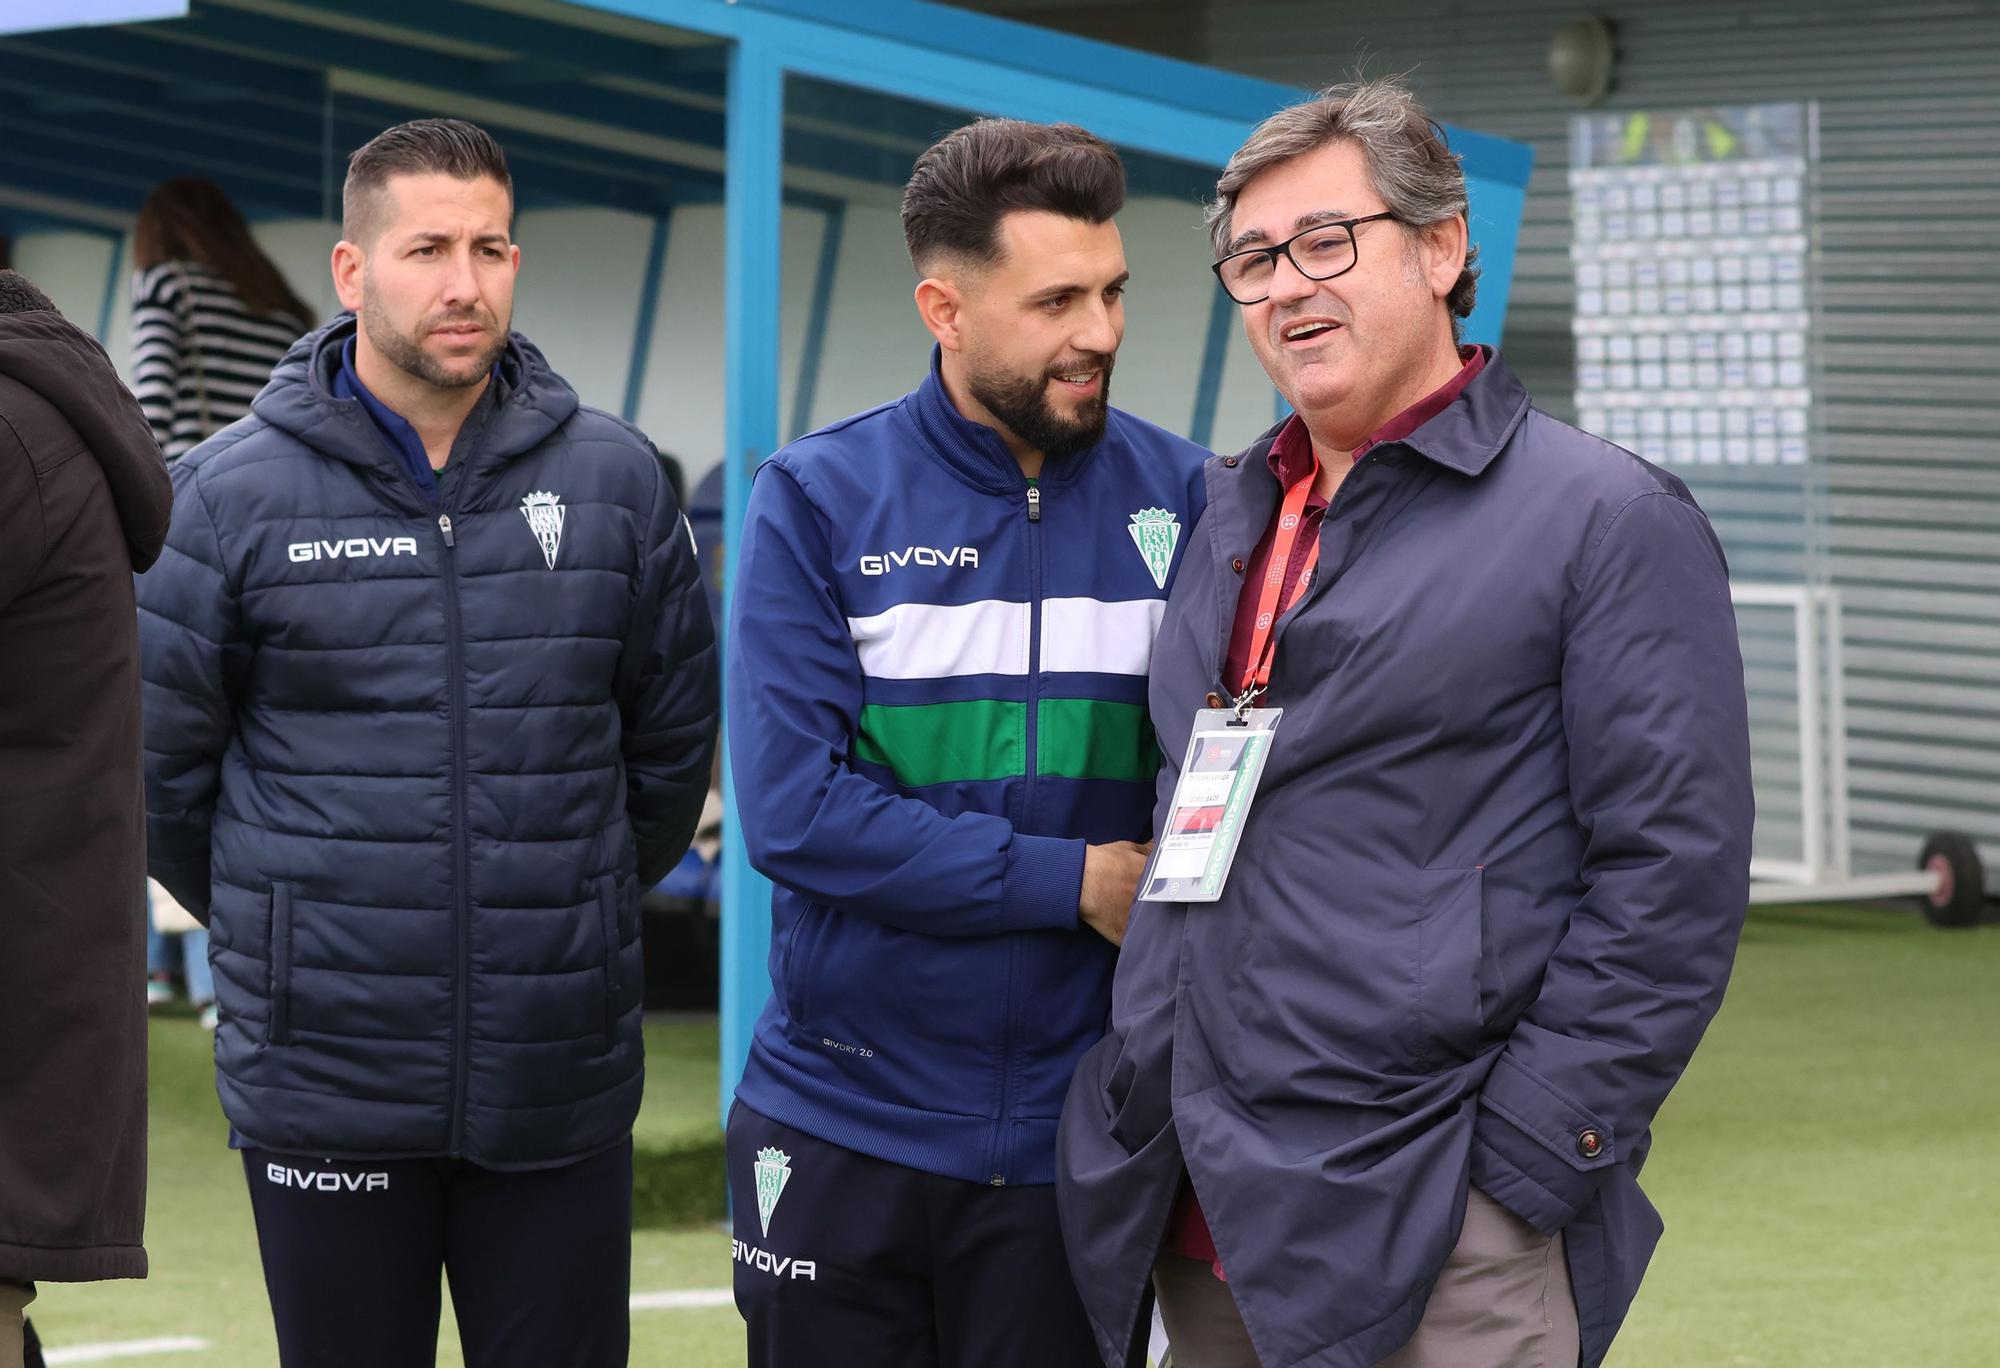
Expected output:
(812, 823)
(1654, 712)
(193, 660)
(667, 693)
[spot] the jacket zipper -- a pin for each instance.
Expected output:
(461, 912)
(1001, 1157)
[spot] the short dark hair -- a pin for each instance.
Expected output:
(19, 295)
(450, 147)
(970, 179)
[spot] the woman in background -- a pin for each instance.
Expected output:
(211, 314)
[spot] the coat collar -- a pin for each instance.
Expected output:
(1478, 424)
(1465, 437)
(974, 451)
(530, 401)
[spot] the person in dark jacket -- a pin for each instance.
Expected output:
(943, 613)
(84, 500)
(431, 700)
(1385, 1100)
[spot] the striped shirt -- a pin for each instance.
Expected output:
(199, 356)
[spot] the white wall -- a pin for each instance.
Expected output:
(71, 269)
(578, 298)
(1166, 312)
(681, 406)
(876, 348)
(578, 294)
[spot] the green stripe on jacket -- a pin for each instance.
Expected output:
(985, 739)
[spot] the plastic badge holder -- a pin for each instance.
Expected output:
(1225, 762)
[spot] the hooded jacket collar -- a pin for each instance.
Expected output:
(51, 356)
(531, 403)
(973, 451)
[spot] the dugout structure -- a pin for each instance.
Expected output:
(748, 282)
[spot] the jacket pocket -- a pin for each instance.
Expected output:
(1451, 937)
(798, 960)
(278, 1027)
(607, 915)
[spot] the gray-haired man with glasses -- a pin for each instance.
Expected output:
(1383, 1100)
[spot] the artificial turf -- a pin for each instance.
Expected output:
(1827, 1170)
(206, 1282)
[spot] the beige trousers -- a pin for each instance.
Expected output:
(1503, 1301)
(14, 1299)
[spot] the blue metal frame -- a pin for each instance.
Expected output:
(1214, 353)
(1494, 218)
(112, 275)
(752, 208)
(821, 310)
(649, 304)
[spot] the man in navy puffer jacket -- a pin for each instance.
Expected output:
(430, 699)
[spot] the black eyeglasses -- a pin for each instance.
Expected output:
(1321, 252)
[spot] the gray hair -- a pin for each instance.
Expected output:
(1416, 174)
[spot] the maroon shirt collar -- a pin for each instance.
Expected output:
(1291, 456)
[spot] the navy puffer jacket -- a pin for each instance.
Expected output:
(416, 762)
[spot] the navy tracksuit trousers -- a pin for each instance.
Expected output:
(540, 1261)
(854, 1262)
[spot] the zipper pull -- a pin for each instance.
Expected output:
(444, 526)
(1034, 503)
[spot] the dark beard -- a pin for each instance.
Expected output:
(406, 354)
(1022, 403)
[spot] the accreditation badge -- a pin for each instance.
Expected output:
(1225, 761)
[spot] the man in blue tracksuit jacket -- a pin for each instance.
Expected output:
(942, 624)
(430, 699)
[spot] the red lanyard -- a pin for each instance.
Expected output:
(1263, 645)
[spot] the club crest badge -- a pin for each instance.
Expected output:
(1156, 532)
(773, 1171)
(544, 513)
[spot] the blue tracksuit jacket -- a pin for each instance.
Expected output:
(937, 697)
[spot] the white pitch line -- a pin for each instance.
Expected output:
(694, 1299)
(99, 1353)
(682, 1301)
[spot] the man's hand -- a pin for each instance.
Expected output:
(1110, 881)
